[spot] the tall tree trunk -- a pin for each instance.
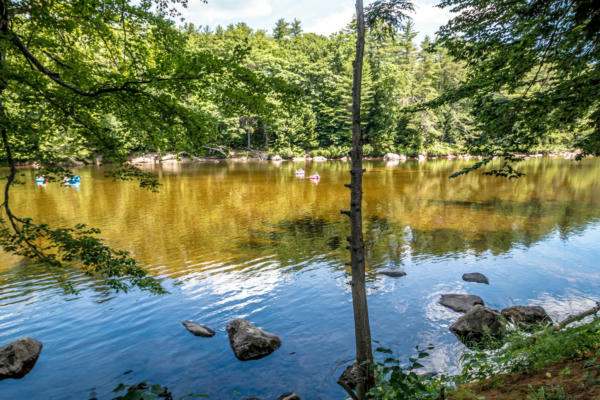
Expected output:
(362, 330)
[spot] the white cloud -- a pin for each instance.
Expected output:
(227, 11)
(318, 16)
(332, 22)
(428, 18)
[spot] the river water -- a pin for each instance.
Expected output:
(251, 240)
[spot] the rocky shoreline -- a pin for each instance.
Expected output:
(155, 158)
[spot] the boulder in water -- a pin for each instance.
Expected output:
(476, 277)
(250, 342)
(479, 322)
(393, 273)
(526, 316)
(350, 376)
(19, 357)
(198, 330)
(460, 302)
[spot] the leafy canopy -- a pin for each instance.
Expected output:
(533, 70)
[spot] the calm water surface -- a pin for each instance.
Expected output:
(250, 240)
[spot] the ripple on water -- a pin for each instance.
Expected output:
(251, 241)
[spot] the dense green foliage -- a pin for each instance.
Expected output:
(534, 71)
(396, 74)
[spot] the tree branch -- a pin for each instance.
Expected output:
(577, 317)
(125, 87)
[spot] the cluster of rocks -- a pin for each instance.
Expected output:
(278, 158)
(248, 341)
(481, 322)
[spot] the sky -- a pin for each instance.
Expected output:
(318, 16)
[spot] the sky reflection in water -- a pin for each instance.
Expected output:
(251, 240)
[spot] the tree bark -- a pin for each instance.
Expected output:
(362, 330)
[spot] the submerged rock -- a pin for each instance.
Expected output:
(198, 330)
(526, 316)
(19, 357)
(478, 323)
(476, 277)
(392, 272)
(460, 302)
(289, 396)
(250, 342)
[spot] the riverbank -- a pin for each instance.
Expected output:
(258, 156)
(558, 362)
(571, 378)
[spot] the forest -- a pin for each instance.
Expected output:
(402, 80)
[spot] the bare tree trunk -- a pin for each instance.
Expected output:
(362, 330)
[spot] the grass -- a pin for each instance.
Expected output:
(545, 365)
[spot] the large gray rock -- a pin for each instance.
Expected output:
(394, 273)
(276, 157)
(289, 396)
(19, 357)
(198, 330)
(478, 323)
(526, 316)
(250, 342)
(460, 302)
(476, 277)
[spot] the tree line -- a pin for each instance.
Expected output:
(233, 110)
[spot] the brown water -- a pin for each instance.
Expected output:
(253, 240)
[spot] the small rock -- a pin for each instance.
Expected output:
(421, 158)
(276, 157)
(525, 316)
(250, 342)
(478, 323)
(476, 277)
(460, 302)
(198, 330)
(350, 376)
(19, 357)
(289, 396)
(319, 159)
(393, 273)
(344, 159)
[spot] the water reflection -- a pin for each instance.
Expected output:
(253, 240)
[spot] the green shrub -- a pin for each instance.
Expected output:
(394, 382)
